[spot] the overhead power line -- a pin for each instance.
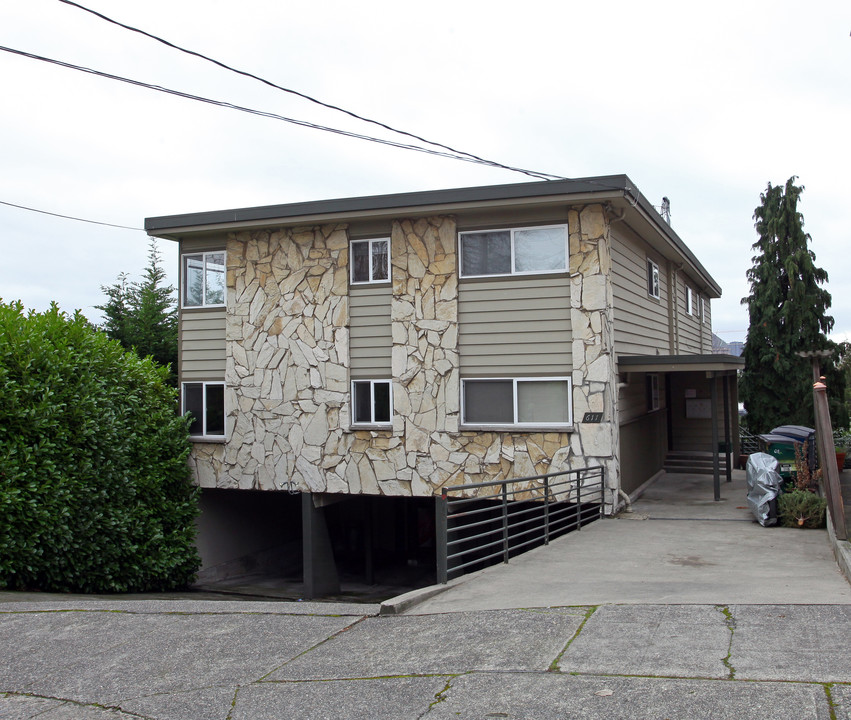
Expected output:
(70, 217)
(244, 73)
(274, 116)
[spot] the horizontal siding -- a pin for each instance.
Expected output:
(204, 244)
(202, 344)
(632, 399)
(370, 338)
(707, 326)
(516, 326)
(640, 321)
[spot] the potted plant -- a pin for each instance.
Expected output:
(840, 441)
(800, 505)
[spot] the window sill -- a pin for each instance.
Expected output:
(203, 307)
(207, 438)
(519, 428)
(373, 427)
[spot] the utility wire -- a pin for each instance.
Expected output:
(274, 116)
(492, 163)
(70, 217)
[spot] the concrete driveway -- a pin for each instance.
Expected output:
(679, 546)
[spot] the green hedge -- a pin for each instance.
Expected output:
(95, 493)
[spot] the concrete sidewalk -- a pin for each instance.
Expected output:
(206, 660)
(678, 546)
(687, 609)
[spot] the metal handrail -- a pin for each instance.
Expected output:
(500, 519)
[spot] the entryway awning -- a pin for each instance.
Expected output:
(717, 369)
(680, 363)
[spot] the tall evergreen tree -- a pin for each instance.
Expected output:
(142, 315)
(788, 314)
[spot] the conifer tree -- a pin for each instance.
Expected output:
(788, 307)
(142, 315)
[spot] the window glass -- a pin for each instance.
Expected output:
(543, 401)
(539, 249)
(362, 401)
(193, 402)
(379, 259)
(215, 410)
(215, 278)
(489, 401)
(381, 402)
(486, 253)
(360, 261)
(193, 280)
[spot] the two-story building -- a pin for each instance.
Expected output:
(346, 359)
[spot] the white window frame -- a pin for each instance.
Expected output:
(514, 271)
(515, 422)
(183, 263)
(370, 242)
(653, 283)
(652, 388)
(205, 384)
(703, 303)
(371, 422)
(690, 309)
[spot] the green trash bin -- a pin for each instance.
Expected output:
(782, 448)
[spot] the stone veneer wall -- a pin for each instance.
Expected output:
(287, 369)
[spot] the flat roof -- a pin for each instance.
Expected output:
(616, 189)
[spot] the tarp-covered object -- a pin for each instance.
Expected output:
(763, 487)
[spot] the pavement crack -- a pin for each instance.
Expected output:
(77, 703)
(233, 703)
(313, 647)
(831, 704)
(555, 664)
(439, 696)
(730, 622)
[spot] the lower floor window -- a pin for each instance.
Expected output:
(372, 401)
(517, 401)
(206, 402)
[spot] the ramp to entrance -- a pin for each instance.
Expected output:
(679, 546)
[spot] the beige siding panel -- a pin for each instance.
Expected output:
(632, 400)
(640, 321)
(203, 244)
(202, 344)
(707, 327)
(370, 338)
(515, 326)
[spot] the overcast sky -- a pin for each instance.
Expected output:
(704, 103)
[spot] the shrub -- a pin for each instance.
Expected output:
(95, 493)
(801, 508)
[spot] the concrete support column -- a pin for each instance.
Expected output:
(320, 569)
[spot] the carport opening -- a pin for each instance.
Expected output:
(251, 543)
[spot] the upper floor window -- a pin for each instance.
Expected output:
(514, 251)
(206, 402)
(703, 314)
(372, 402)
(204, 279)
(653, 279)
(541, 401)
(370, 260)
(691, 309)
